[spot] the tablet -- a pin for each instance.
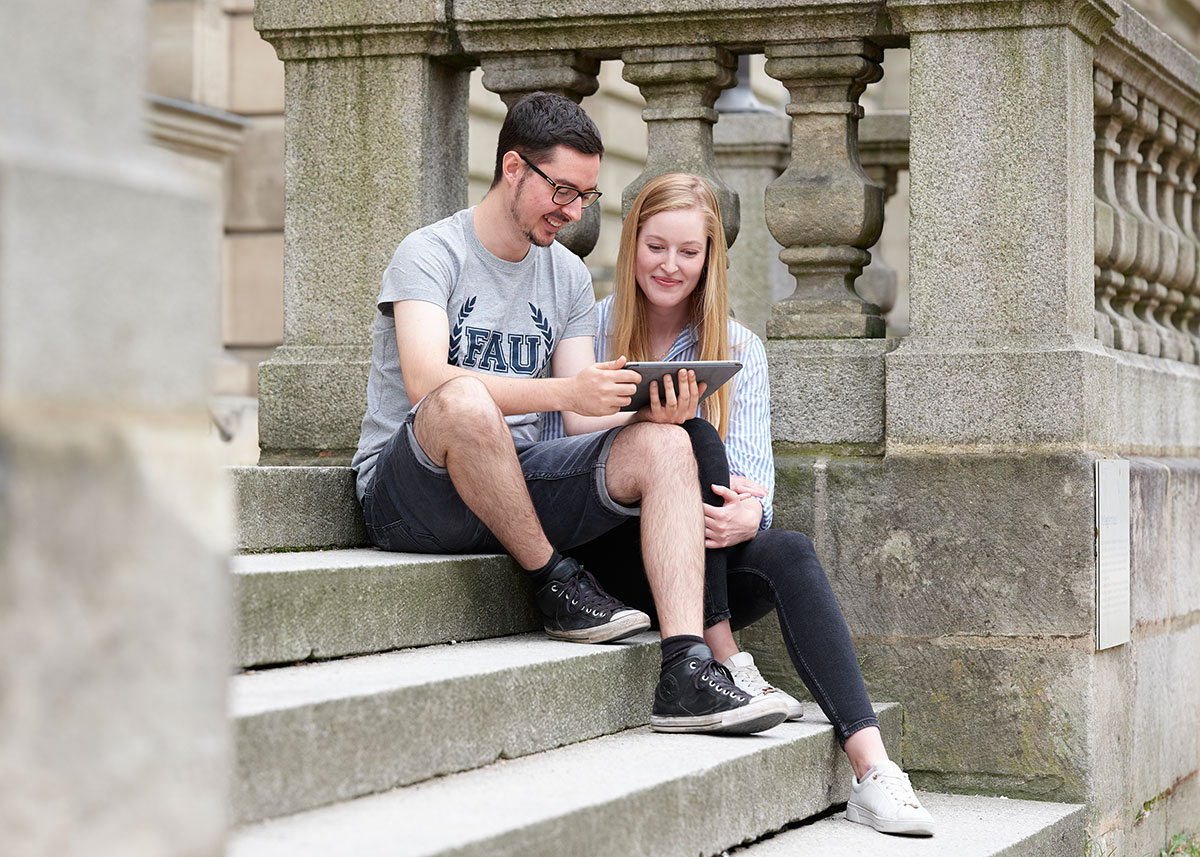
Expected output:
(712, 372)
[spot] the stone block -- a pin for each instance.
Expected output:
(986, 716)
(1149, 542)
(296, 508)
(921, 546)
(319, 733)
(311, 404)
(1166, 709)
(252, 289)
(255, 196)
(325, 604)
(115, 359)
(1184, 528)
(827, 391)
(115, 619)
(1111, 739)
(255, 72)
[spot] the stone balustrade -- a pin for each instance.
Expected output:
(376, 141)
(1147, 111)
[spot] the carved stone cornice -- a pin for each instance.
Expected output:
(1089, 18)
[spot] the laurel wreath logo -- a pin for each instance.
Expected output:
(539, 321)
(467, 308)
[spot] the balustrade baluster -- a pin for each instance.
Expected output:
(1156, 302)
(1187, 211)
(1116, 244)
(568, 74)
(1174, 305)
(680, 85)
(1136, 289)
(824, 209)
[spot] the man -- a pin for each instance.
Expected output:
(473, 311)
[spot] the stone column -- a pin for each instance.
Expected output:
(567, 74)
(680, 85)
(114, 520)
(376, 147)
(752, 149)
(823, 209)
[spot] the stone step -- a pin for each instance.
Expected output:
(967, 826)
(326, 604)
(296, 508)
(318, 733)
(635, 792)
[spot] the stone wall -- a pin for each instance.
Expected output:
(113, 520)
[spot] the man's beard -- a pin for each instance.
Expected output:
(531, 236)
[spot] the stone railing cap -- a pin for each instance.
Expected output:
(1138, 53)
(1089, 18)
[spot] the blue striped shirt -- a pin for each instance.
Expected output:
(748, 438)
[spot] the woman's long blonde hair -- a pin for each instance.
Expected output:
(709, 303)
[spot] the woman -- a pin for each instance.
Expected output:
(671, 303)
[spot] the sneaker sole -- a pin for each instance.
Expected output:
(738, 721)
(883, 825)
(618, 629)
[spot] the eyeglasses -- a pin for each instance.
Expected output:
(564, 194)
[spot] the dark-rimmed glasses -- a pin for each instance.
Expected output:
(564, 194)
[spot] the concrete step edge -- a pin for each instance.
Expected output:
(311, 735)
(676, 794)
(327, 604)
(290, 508)
(966, 826)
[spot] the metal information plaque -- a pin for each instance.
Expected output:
(1112, 553)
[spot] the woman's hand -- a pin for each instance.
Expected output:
(733, 522)
(678, 408)
(746, 488)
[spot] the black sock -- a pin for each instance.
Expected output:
(539, 576)
(675, 649)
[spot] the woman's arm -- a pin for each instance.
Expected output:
(748, 437)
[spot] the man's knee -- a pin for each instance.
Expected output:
(460, 407)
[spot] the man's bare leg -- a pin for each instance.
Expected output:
(461, 429)
(654, 464)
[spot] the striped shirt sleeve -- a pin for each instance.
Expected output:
(748, 438)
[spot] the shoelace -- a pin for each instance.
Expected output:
(585, 594)
(717, 676)
(749, 679)
(898, 786)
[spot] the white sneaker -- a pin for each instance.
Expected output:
(747, 677)
(884, 800)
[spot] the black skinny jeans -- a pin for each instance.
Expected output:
(777, 569)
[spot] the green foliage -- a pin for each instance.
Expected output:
(1182, 845)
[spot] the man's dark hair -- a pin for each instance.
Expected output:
(539, 122)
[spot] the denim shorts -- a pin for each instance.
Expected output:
(411, 505)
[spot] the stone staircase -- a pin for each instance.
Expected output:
(395, 704)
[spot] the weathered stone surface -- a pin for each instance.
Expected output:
(358, 181)
(967, 826)
(1184, 534)
(827, 391)
(318, 733)
(327, 604)
(252, 289)
(560, 802)
(254, 201)
(921, 546)
(294, 508)
(1149, 542)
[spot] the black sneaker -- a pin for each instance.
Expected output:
(698, 695)
(575, 608)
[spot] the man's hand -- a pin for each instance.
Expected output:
(733, 522)
(678, 408)
(602, 389)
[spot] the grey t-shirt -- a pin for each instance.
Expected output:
(506, 318)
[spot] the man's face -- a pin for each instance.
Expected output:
(531, 204)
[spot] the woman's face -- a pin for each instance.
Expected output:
(671, 251)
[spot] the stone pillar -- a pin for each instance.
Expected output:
(567, 74)
(752, 149)
(883, 151)
(680, 85)
(114, 521)
(376, 147)
(823, 209)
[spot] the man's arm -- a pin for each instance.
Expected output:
(423, 340)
